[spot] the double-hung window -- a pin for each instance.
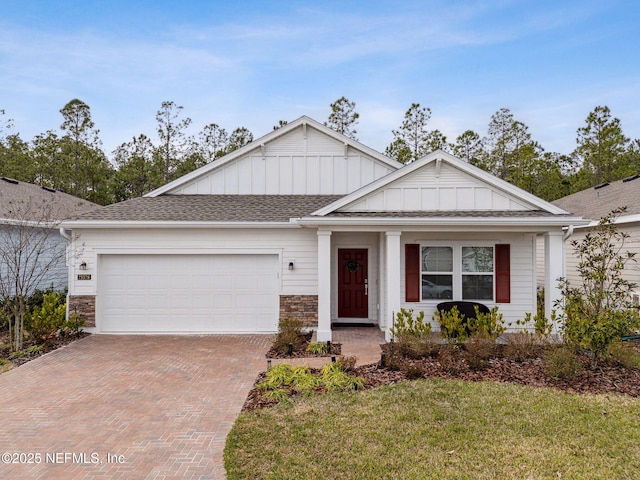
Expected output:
(437, 272)
(457, 272)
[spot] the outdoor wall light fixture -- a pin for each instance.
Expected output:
(290, 265)
(83, 266)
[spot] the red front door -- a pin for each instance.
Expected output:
(353, 283)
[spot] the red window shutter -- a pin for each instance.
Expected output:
(503, 273)
(412, 272)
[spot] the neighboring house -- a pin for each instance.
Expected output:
(32, 252)
(595, 203)
(306, 222)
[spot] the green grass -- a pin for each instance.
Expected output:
(439, 429)
(5, 365)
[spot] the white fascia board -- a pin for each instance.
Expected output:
(106, 225)
(258, 143)
(454, 162)
(28, 223)
(619, 221)
(443, 221)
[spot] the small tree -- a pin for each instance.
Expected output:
(29, 254)
(598, 311)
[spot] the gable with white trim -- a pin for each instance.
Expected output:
(438, 187)
(303, 160)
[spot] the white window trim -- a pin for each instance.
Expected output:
(457, 270)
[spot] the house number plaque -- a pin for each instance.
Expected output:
(84, 276)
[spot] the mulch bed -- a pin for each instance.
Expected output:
(301, 351)
(24, 356)
(607, 377)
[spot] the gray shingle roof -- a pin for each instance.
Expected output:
(210, 208)
(25, 201)
(594, 203)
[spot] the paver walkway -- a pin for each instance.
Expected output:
(160, 405)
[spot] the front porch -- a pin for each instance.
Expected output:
(387, 285)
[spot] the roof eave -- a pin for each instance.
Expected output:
(105, 224)
(550, 221)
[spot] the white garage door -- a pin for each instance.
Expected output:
(188, 293)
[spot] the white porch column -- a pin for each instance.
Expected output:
(392, 255)
(324, 286)
(553, 269)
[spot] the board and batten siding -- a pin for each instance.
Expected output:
(291, 165)
(523, 271)
(427, 190)
(293, 245)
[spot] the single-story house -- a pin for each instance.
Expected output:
(597, 202)
(306, 222)
(32, 252)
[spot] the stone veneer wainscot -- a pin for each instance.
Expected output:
(85, 307)
(303, 307)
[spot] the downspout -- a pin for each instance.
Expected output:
(568, 233)
(565, 237)
(64, 234)
(67, 237)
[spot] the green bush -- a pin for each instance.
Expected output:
(302, 380)
(597, 312)
(453, 325)
(334, 379)
(407, 325)
(412, 335)
(487, 325)
(46, 322)
(72, 326)
(561, 363)
(320, 348)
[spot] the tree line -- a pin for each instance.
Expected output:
(602, 154)
(73, 160)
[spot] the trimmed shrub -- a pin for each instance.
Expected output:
(289, 332)
(407, 325)
(453, 325)
(624, 354)
(451, 361)
(522, 346)
(561, 363)
(413, 335)
(478, 350)
(488, 325)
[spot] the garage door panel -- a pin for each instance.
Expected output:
(159, 282)
(188, 293)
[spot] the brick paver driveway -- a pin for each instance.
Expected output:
(127, 407)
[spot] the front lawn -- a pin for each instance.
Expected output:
(438, 429)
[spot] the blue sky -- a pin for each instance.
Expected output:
(252, 63)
